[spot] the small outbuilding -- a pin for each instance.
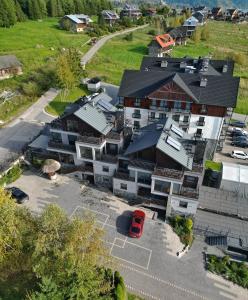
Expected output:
(235, 179)
(9, 66)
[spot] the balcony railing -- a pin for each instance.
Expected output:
(107, 158)
(197, 168)
(87, 169)
(136, 116)
(165, 172)
(136, 163)
(189, 193)
(90, 140)
(114, 136)
(165, 189)
(123, 176)
(144, 180)
(60, 146)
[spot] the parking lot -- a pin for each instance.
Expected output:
(225, 154)
(149, 265)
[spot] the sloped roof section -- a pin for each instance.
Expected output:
(164, 40)
(94, 117)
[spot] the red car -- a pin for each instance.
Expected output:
(137, 224)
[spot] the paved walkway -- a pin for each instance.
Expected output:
(23, 129)
(88, 56)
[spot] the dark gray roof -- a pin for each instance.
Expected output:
(178, 32)
(147, 137)
(219, 91)
(156, 134)
(95, 117)
(215, 67)
(9, 61)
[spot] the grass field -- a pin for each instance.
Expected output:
(59, 103)
(32, 41)
(225, 38)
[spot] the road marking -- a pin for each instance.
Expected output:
(124, 242)
(141, 292)
(226, 295)
(165, 282)
(149, 259)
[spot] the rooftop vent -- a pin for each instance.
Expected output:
(225, 68)
(201, 121)
(164, 64)
(203, 82)
(190, 69)
(183, 64)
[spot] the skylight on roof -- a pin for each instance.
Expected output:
(173, 143)
(177, 130)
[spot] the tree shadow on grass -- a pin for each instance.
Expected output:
(139, 49)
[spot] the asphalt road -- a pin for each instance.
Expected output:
(88, 56)
(22, 130)
(149, 266)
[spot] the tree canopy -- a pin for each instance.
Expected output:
(12, 11)
(62, 258)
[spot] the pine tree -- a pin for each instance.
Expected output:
(7, 13)
(37, 9)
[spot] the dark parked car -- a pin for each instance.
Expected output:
(239, 124)
(239, 133)
(240, 138)
(18, 194)
(137, 224)
(242, 144)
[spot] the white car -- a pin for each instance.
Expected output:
(239, 154)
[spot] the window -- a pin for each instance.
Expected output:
(56, 137)
(72, 125)
(123, 186)
(177, 104)
(163, 103)
(188, 106)
(162, 116)
(154, 102)
(105, 180)
(176, 118)
(72, 139)
(152, 115)
(185, 119)
(136, 124)
(176, 188)
(136, 114)
(86, 152)
(183, 204)
(137, 102)
(105, 169)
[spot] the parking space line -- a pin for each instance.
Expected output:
(124, 242)
(130, 262)
(141, 292)
(149, 259)
(139, 246)
(110, 252)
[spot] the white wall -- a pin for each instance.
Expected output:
(173, 203)
(131, 186)
(98, 168)
(128, 111)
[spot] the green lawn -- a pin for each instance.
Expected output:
(225, 38)
(58, 105)
(118, 55)
(215, 166)
(32, 41)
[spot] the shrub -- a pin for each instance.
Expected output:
(183, 228)
(129, 37)
(12, 175)
(120, 289)
(152, 32)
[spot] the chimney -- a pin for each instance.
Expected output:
(203, 81)
(164, 64)
(225, 68)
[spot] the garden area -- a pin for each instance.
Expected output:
(183, 227)
(237, 272)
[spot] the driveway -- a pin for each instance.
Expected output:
(224, 155)
(19, 132)
(88, 56)
(149, 264)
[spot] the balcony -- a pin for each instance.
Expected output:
(123, 176)
(56, 124)
(90, 140)
(144, 180)
(136, 116)
(87, 169)
(140, 164)
(108, 158)
(197, 168)
(112, 135)
(189, 193)
(60, 146)
(162, 188)
(169, 173)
